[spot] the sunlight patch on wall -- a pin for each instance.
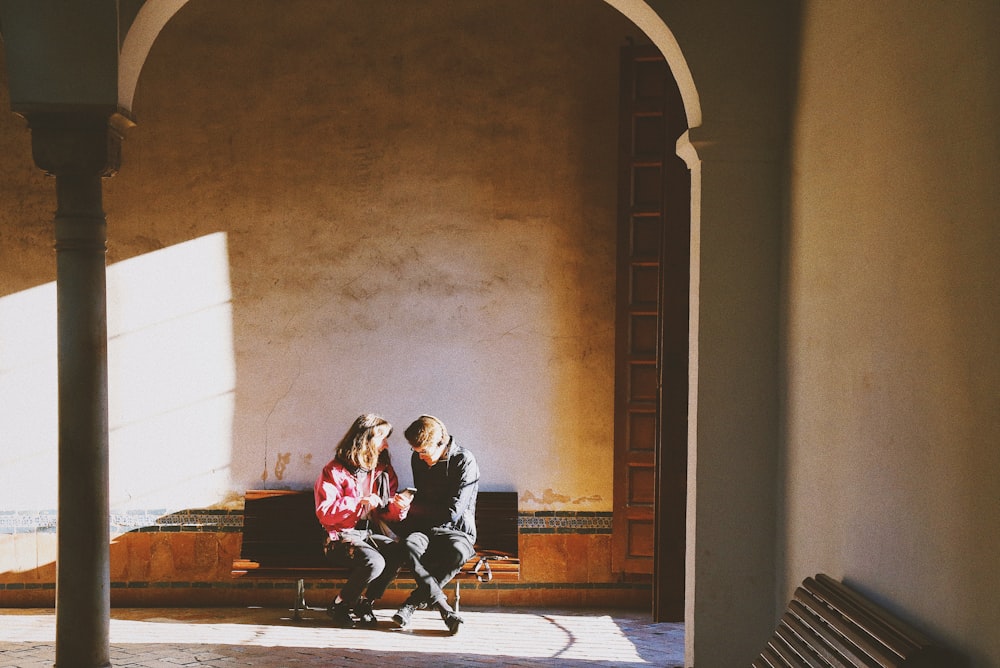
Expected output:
(172, 376)
(28, 399)
(171, 383)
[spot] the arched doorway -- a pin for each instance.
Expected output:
(665, 524)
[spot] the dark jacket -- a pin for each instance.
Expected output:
(446, 493)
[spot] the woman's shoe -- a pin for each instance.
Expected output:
(366, 616)
(341, 615)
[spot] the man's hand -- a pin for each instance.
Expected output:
(403, 499)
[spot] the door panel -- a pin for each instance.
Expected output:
(652, 321)
(640, 233)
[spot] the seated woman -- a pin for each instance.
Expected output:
(355, 498)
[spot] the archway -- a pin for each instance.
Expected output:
(160, 13)
(152, 17)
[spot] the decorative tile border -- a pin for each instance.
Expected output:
(213, 521)
(231, 521)
(556, 521)
(27, 521)
(45, 521)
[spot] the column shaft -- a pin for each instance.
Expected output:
(82, 569)
(79, 148)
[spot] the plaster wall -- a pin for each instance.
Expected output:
(368, 209)
(739, 55)
(893, 359)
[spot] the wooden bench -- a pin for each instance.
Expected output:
(828, 624)
(283, 540)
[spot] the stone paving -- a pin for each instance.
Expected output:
(270, 638)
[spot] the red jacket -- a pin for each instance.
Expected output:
(338, 491)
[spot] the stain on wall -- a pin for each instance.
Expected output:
(281, 465)
(550, 498)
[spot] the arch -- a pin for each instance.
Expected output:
(149, 21)
(643, 16)
(154, 14)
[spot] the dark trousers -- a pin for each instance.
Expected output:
(365, 554)
(435, 558)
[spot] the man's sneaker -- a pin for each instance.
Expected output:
(340, 615)
(403, 615)
(452, 621)
(365, 614)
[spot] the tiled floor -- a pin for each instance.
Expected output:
(269, 638)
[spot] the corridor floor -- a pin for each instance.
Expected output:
(270, 638)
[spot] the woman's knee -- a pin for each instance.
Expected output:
(375, 568)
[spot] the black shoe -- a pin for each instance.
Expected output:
(340, 615)
(366, 616)
(452, 621)
(403, 615)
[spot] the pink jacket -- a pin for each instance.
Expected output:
(338, 492)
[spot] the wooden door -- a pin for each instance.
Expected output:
(651, 353)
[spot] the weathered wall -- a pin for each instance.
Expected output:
(331, 208)
(419, 211)
(893, 357)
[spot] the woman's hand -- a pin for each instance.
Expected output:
(368, 502)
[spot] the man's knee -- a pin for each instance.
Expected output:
(416, 543)
(450, 554)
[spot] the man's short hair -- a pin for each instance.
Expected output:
(425, 432)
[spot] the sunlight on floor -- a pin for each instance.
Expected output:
(568, 637)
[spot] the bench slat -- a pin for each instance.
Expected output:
(835, 633)
(772, 660)
(829, 624)
(799, 619)
(505, 570)
(866, 633)
(320, 574)
(804, 653)
(892, 633)
(783, 651)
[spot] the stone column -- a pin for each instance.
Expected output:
(79, 148)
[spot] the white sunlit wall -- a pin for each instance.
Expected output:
(171, 386)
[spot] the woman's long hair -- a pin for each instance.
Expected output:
(357, 449)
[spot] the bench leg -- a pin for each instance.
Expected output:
(458, 594)
(300, 598)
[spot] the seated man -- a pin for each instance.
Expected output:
(438, 535)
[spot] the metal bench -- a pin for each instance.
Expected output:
(283, 540)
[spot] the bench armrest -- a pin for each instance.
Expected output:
(482, 569)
